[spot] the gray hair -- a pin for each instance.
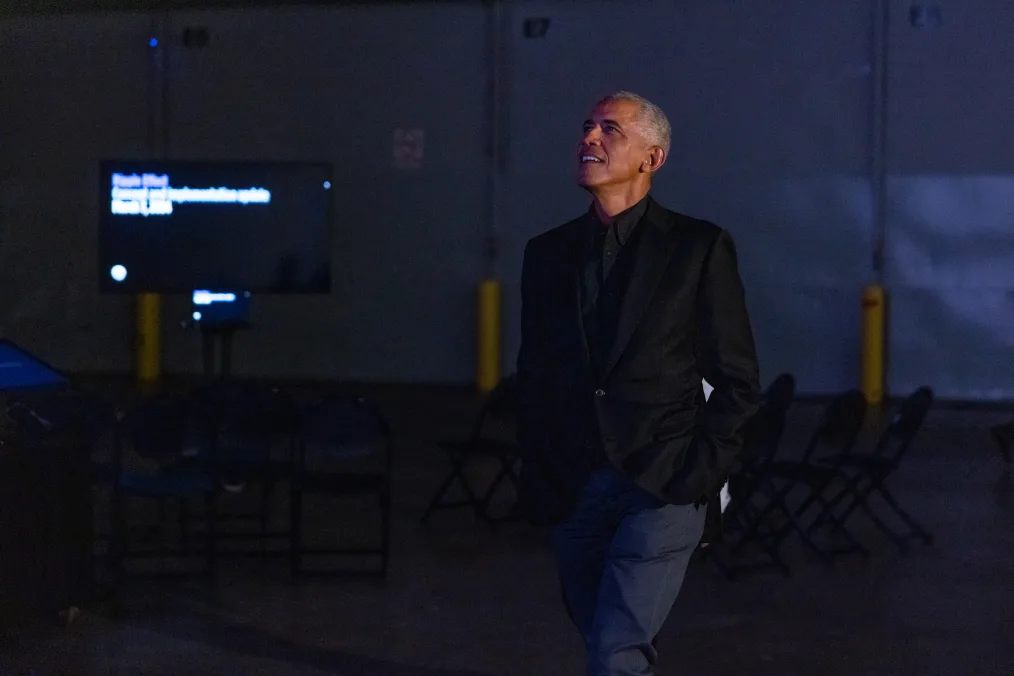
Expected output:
(652, 121)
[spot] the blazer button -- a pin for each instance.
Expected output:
(600, 393)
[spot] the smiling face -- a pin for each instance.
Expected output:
(613, 151)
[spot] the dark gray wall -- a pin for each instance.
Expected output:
(287, 84)
(73, 91)
(771, 107)
(313, 83)
(950, 236)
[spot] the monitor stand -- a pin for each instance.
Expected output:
(220, 334)
(219, 314)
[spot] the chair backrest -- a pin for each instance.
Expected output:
(840, 424)
(764, 431)
(499, 408)
(155, 427)
(244, 413)
(344, 427)
(781, 392)
(83, 415)
(905, 424)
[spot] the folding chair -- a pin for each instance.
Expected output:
(838, 430)
(866, 474)
(344, 450)
(492, 437)
(154, 431)
(249, 428)
(761, 441)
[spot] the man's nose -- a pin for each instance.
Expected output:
(592, 136)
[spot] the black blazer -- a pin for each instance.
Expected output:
(683, 317)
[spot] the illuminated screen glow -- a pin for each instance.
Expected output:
(179, 226)
(19, 369)
(152, 195)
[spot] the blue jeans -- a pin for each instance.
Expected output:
(622, 554)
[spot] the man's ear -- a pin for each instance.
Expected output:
(656, 158)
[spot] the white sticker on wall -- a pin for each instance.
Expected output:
(408, 148)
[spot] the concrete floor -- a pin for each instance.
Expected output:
(460, 600)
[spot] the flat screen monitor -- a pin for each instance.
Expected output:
(220, 308)
(174, 226)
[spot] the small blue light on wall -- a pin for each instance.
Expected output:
(536, 27)
(925, 15)
(153, 43)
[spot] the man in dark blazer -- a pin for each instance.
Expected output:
(624, 310)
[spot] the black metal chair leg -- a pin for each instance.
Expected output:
(859, 497)
(457, 474)
(267, 492)
(753, 529)
(438, 496)
(385, 517)
(794, 524)
(184, 524)
(918, 530)
(838, 526)
(295, 530)
(211, 533)
(830, 505)
(118, 536)
(487, 497)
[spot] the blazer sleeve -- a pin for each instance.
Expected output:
(529, 360)
(728, 361)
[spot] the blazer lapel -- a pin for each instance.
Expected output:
(654, 251)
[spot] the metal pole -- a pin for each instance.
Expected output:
(873, 376)
(878, 170)
(489, 305)
(158, 88)
(149, 305)
(495, 61)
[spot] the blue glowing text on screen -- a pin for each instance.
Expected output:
(152, 195)
(209, 297)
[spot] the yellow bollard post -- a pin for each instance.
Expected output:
(149, 337)
(874, 312)
(488, 352)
